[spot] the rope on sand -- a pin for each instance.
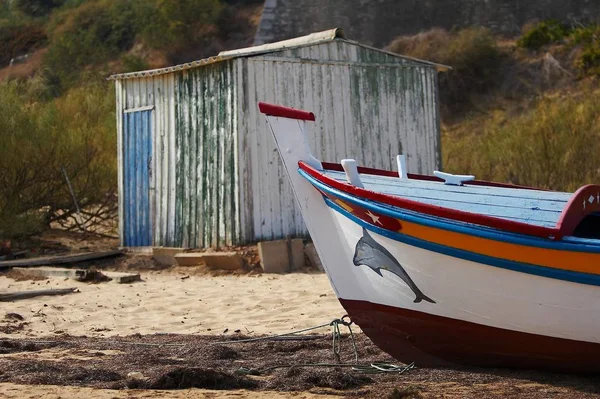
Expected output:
(335, 332)
(372, 368)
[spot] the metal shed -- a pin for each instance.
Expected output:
(197, 165)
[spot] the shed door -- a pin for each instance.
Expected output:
(137, 163)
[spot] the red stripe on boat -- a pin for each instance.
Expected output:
(371, 217)
(433, 210)
(285, 112)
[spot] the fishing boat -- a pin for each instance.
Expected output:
(448, 270)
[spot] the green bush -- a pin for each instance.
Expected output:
(589, 60)
(132, 63)
(542, 34)
(89, 35)
(176, 23)
(184, 30)
(554, 145)
(75, 132)
(586, 34)
(472, 53)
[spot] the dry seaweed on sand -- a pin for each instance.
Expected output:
(172, 361)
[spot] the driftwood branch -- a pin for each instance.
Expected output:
(15, 296)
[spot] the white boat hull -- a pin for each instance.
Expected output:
(473, 313)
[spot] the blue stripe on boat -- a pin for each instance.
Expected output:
(558, 274)
(567, 244)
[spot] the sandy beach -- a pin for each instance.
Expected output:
(170, 327)
(177, 301)
(14, 391)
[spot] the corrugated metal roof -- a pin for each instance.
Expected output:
(312, 39)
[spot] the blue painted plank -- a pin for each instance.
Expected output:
(126, 179)
(136, 162)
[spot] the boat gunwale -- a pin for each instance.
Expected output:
(568, 243)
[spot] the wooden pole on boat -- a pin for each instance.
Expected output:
(351, 170)
(401, 161)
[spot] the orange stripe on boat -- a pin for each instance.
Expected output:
(584, 262)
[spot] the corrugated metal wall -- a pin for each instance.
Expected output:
(207, 175)
(369, 106)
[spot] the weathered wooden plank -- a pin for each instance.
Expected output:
(244, 151)
(172, 160)
(120, 159)
(194, 163)
(263, 221)
(253, 122)
(59, 260)
(157, 156)
(15, 296)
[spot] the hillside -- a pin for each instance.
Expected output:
(376, 22)
(73, 41)
(57, 116)
(521, 110)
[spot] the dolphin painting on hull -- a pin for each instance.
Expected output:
(373, 255)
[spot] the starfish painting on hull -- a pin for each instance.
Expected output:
(446, 269)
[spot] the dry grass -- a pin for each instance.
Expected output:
(554, 143)
(472, 53)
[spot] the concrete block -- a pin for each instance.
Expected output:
(297, 247)
(281, 256)
(166, 255)
(189, 259)
(217, 260)
(313, 256)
